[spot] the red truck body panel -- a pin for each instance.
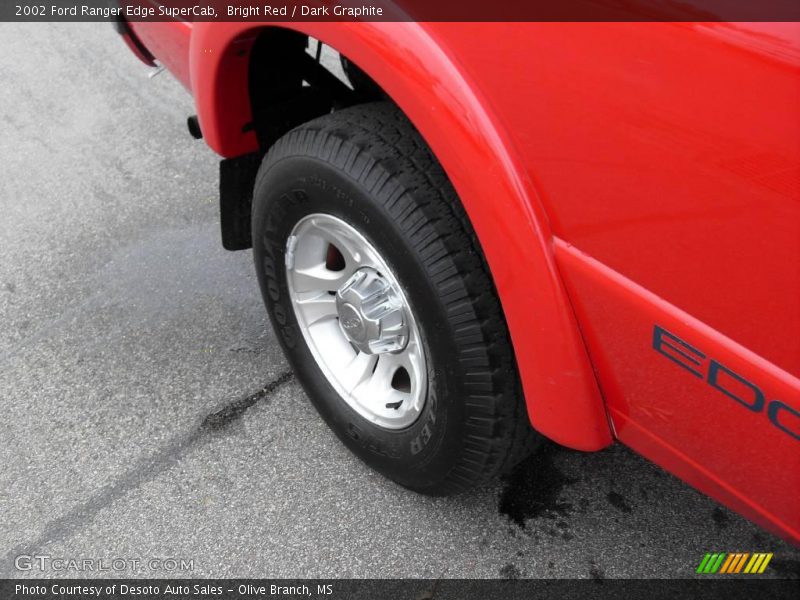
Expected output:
(636, 190)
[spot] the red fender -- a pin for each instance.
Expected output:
(561, 391)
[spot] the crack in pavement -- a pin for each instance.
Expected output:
(146, 469)
(233, 411)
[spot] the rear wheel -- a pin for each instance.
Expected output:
(377, 289)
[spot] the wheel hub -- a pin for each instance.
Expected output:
(356, 321)
(371, 313)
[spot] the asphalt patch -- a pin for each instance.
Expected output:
(533, 489)
(510, 571)
(618, 501)
(596, 572)
(720, 518)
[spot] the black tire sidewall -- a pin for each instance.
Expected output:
(293, 187)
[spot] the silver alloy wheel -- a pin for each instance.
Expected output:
(356, 321)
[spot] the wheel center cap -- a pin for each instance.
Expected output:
(372, 313)
(352, 322)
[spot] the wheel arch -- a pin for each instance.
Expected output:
(561, 391)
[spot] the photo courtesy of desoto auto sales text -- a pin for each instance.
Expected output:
(399, 299)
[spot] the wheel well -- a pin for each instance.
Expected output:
(294, 78)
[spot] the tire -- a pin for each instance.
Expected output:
(367, 167)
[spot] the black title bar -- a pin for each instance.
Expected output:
(268, 11)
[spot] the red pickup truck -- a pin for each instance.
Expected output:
(478, 234)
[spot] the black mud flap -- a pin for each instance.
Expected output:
(237, 177)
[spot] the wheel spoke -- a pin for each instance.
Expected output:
(411, 360)
(317, 306)
(387, 365)
(317, 279)
(377, 390)
(344, 242)
(377, 384)
(329, 337)
(359, 370)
